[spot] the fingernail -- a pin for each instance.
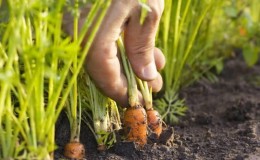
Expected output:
(149, 72)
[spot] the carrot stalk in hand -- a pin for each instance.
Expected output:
(135, 118)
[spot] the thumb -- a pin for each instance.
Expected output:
(140, 40)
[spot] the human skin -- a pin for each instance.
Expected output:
(103, 61)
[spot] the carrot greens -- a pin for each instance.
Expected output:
(36, 61)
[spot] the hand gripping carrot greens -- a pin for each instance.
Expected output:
(135, 118)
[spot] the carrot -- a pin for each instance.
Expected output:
(135, 125)
(101, 147)
(135, 118)
(154, 121)
(74, 150)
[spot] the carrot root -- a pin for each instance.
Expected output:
(135, 125)
(74, 150)
(101, 147)
(154, 121)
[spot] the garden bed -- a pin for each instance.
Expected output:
(223, 122)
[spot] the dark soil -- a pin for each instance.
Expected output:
(223, 122)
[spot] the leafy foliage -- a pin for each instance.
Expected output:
(184, 38)
(36, 61)
(243, 32)
(171, 107)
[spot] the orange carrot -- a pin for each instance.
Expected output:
(101, 147)
(135, 118)
(74, 150)
(135, 125)
(154, 121)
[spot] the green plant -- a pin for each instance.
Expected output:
(243, 32)
(145, 9)
(101, 111)
(35, 64)
(179, 35)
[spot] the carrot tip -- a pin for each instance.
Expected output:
(101, 148)
(74, 150)
(154, 122)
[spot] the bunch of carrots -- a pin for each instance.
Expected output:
(138, 119)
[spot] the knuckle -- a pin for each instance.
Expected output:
(157, 8)
(154, 15)
(161, 4)
(142, 56)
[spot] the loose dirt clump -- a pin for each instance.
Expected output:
(223, 122)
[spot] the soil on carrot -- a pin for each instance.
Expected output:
(223, 122)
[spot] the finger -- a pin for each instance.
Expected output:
(114, 21)
(102, 62)
(105, 72)
(139, 41)
(159, 59)
(156, 84)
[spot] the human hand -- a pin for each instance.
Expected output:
(103, 60)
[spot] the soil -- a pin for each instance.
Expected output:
(223, 122)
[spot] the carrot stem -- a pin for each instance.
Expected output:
(146, 92)
(132, 85)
